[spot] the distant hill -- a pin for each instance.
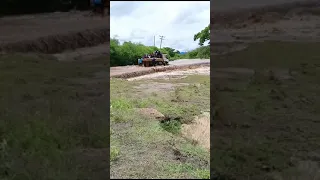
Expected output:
(183, 52)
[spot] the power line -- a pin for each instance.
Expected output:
(161, 39)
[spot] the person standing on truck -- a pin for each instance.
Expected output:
(140, 61)
(160, 54)
(154, 61)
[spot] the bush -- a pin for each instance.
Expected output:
(128, 53)
(202, 52)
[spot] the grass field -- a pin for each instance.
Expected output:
(53, 118)
(267, 120)
(144, 147)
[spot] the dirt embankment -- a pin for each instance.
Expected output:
(178, 74)
(52, 32)
(134, 71)
(265, 14)
(294, 22)
(60, 42)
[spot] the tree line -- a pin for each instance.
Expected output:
(128, 53)
(202, 52)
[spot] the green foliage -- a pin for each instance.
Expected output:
(172, 126)
(171, 52)
(202, 52)
(203, 36)
(129, 52)
(114, 153)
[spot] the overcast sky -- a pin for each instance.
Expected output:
(178, 21)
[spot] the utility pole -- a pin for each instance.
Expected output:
(154, 41)
(161, 39)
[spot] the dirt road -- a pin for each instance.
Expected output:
(133, 71)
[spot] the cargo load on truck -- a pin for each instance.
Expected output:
(154, 59)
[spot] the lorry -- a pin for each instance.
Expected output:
(153, 61)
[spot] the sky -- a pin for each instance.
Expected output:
(177, 21)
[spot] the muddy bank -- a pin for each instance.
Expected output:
(87, 53)
(264, 14)
(52, 32)
(286, 23)
(60, 42)
(296, 29)
(178, 74)
(140, 71)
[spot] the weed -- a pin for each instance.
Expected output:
(202, 174)
(114, 153)
(172, 126)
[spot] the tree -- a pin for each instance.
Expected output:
(170, 51)
(203, 36)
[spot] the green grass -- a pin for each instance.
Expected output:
(114, 153)
(49, 112)
(147, 145)
(172, 126)
(263, 121)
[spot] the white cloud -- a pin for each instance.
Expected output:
(178, 21)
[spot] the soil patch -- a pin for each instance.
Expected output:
(151, 113)
(158, 87)
(199, 130)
